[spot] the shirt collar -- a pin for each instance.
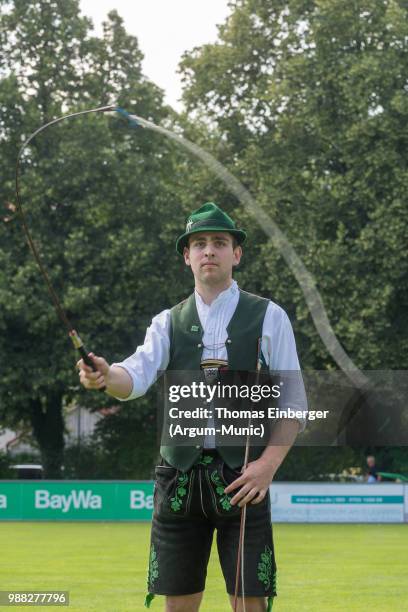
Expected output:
(223, 297)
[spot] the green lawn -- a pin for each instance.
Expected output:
(103, 565)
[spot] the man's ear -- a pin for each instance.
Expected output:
(237, 256)
(186, 255)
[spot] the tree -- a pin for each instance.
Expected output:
(309, 102)
(307, 105)
(97, 196)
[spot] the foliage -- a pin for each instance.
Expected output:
(305, 101)
(5, 470)
(123, 446)
(96, 195)
(309, 100)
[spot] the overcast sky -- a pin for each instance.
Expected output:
(165, 29)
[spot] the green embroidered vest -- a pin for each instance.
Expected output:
(186, 349)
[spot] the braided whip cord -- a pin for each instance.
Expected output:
(76, 340)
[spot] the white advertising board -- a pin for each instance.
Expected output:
(338, 503)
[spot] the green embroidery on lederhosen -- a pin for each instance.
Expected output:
(224, 499)
(153, 571)
(205, 460)
(266, 573)
(180, 493)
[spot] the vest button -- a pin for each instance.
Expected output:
(229, 341)
(198, 446)
(199, 346)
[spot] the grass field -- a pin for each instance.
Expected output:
(103, 565)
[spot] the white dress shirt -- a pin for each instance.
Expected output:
(151, 357)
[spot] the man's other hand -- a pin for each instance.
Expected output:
(254, 483)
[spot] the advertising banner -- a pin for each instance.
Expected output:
(133, 501)
(76, 500)
(337, 503)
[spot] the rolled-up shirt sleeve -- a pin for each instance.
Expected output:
(279, 351)
(150, 358)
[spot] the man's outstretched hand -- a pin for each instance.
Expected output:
(117, 381)
(94, 380)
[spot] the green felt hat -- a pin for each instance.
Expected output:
(209, 218)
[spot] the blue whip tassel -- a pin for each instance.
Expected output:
(131, 118)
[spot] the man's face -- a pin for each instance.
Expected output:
(212, 256)
(370, 461)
